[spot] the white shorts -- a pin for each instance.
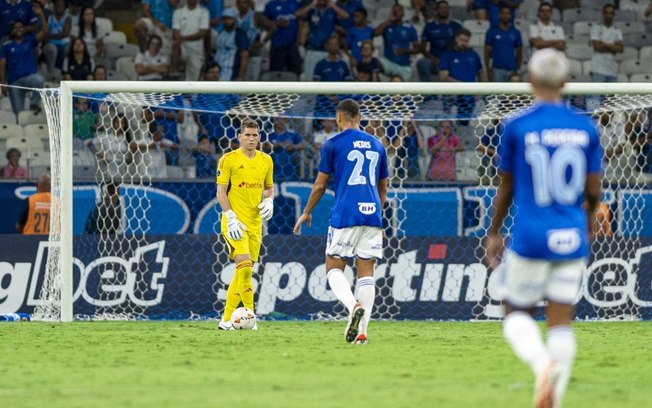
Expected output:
(355, 242)
(529, 281)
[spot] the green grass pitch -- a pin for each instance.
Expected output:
(306, 364)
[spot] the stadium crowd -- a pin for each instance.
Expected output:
(319, 40)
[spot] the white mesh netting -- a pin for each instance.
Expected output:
(146, 223)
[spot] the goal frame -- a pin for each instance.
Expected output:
(68, 88)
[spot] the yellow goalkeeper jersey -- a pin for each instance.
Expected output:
(246, 179)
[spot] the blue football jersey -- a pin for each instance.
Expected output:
(550, 149)
(357, 161)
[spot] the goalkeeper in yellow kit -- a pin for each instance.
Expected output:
(245, 191)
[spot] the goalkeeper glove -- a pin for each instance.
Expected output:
(266, 208)
(234, 227)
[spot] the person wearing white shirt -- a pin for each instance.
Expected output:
(545, 34)
(189, 28)
(152, 64)
(607, 41)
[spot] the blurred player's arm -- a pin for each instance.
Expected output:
(318, 190)
(22, 219)
(502, 201)
(382, 191)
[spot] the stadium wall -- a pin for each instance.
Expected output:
(426, 278)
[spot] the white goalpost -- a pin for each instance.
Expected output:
(425, 272)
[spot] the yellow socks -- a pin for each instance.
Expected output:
(244, 270)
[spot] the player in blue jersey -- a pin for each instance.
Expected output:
(550, 162)
(358, 163)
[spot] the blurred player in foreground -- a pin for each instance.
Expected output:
(244, 176)
(550, 161)
(358, 163)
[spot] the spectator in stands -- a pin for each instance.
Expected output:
(35, 217)
(287, 147)
(461, 64)
(488, 147)
(83, 119)
(74, 11)
(59, 26)
(111, 147)
(13, 169)
(322, 16)
(648, 10)
(78, 65)
(503, 49)
(332, 68)
(216, 125)
(356, 35)
(205, 161)
(369, 67)
(232, 51)
(170, 120)
(546, 34)
(490, 10)
(157, 150)
(259, 30)
(440, 34)
(152, 64)
(99, 73)
(189, 28)
(409, 151)
(106, 217)
(284, 53)
(350, 6)
(328, 130)
(607, 41)
(87, 31)
(215, 9)
(16, 10)
(400, 41)
(157, 19)
(18, 66)
(443, 146)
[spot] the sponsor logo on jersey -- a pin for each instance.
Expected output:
(246, 184)
(241, 167)
(367, 208)
(361, 144)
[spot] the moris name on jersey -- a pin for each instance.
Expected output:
(558, 137)
(361, 144)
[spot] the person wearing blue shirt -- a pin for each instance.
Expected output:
(400, 41)
(332, 68)
(503, 49)
(550, 163)
(350, 6)
(440, 34)
(18, 66)
(461, 64)
(322, 16)
(358, 163)
(369, 68)
(157, 19)
(360, 31)
(284, 54)
(209, 113)
(21, 11)
(285, 145)
(490, 10)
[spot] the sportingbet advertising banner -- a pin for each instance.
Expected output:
(173, 277)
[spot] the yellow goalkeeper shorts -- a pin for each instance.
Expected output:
(249, 244)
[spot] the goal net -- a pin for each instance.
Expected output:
(135, 225)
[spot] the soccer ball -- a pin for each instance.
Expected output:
(243, 319)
